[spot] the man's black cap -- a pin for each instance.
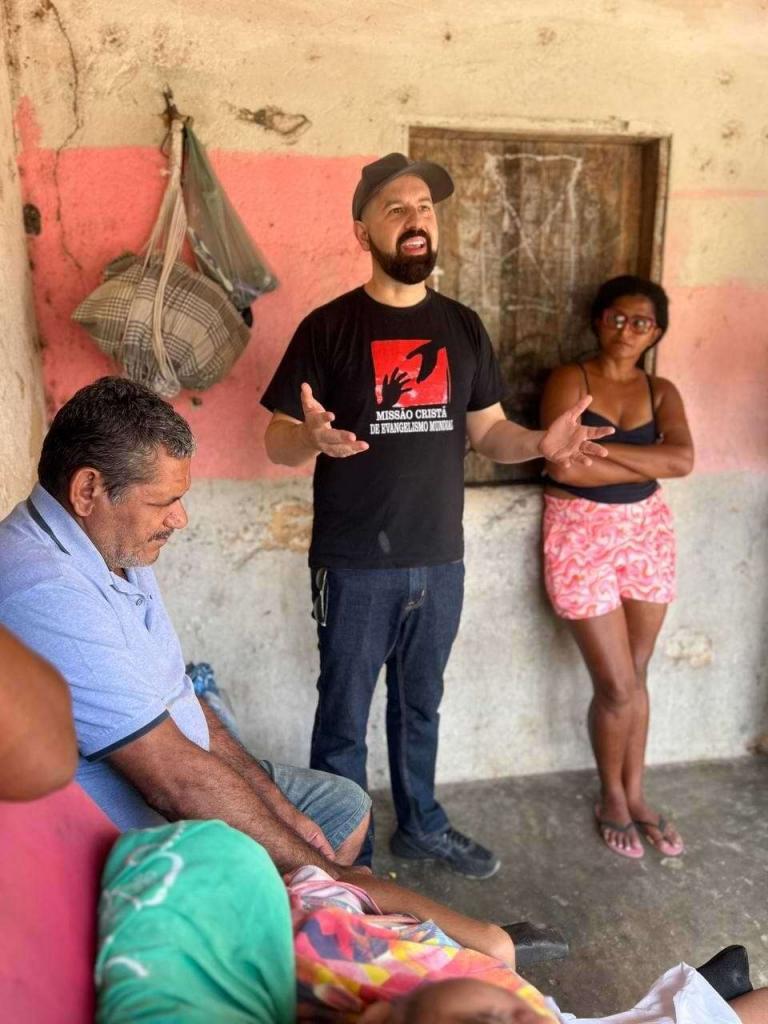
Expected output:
(394, 165)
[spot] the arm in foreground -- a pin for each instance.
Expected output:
(564, 441)
(182, 780)
(38, 748)
(231, 752)
(561, 392)
(467, 931)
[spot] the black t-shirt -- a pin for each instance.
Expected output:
(403, 380)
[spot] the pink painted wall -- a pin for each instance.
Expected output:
(297, 209)
(716, 349)
(52, 852)
(717, 353)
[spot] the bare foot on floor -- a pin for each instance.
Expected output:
(659, 831)
(614, 822)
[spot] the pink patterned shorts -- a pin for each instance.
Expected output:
(597, 555)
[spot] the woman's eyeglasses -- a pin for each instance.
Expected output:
(618, 321)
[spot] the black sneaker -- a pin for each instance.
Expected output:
(535, 944)
(728, 972)
(457, 851)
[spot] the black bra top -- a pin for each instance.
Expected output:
(646, 433)
(615, 494)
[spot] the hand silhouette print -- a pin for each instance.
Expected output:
(393, 387)
(428, 353)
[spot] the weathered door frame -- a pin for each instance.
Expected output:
(657, 143)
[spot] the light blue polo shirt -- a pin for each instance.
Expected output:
(110, 638)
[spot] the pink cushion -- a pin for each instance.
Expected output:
(51, 855)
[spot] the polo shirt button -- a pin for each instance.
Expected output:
(139, 601)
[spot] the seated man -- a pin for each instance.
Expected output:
(38, 750)
(75, 585)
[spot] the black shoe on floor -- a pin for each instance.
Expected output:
(728, 972)
(457, 851)
(535, 944)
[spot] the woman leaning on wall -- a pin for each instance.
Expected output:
(609, 545)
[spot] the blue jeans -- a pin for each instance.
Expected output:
(336, 805)
(406, 619)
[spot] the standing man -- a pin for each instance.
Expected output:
(408, 374)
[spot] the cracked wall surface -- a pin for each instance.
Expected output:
(292, 100)
(516, 691)
(21, 391)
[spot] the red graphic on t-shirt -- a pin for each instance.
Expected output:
(414, 371)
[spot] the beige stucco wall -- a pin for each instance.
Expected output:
(21, 401)
(358, 70)
(301, 93)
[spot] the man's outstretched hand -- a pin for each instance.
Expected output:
(339, 444)
(567, 441)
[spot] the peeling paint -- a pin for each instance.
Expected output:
(32, 219)
(689, 646)
(273, 119)
(290, 527)
(114, 36)
(21, 397)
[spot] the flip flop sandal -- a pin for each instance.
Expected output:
(633, 852)
(662, 844)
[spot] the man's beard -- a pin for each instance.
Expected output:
(118, 557)
(402, 268)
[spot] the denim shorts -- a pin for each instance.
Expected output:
(334, 803)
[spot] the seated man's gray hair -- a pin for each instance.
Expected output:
(116, 427)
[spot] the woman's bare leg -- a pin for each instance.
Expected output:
(644, 622)
(605, 646)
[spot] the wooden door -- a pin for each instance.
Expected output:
(533, 228)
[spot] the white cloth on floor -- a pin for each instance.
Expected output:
(681, 996)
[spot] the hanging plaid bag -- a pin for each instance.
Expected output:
(168, 326)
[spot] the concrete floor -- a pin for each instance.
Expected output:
(627, 921)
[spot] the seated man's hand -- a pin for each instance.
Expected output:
(310, 832)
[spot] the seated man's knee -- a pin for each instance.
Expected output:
(355, 807)
(351, 795)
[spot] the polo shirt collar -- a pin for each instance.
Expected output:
(72, 540)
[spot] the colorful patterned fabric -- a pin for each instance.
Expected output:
(596, 555)
(349, 954)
